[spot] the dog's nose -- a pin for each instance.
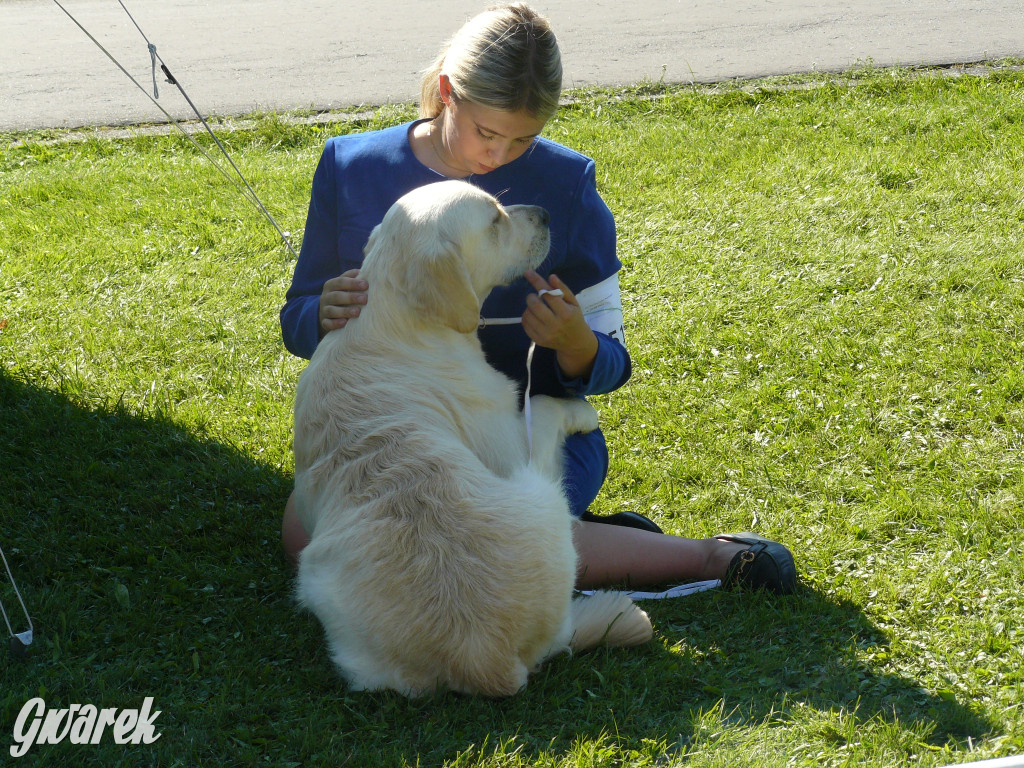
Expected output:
(545, 217)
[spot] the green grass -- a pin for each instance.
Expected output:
(825, 303)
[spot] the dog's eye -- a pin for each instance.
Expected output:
(497, 219)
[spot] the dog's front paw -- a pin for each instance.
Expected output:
(580, 416)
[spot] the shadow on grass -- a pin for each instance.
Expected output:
(99, 491)
(766, 658)
(722, 664)
(149, 558)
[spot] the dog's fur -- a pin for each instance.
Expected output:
(441, 552)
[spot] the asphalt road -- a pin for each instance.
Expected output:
(236, 56)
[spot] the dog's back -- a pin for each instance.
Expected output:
(429, 570)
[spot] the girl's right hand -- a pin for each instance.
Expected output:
(341, 300)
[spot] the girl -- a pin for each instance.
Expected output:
(485, 102)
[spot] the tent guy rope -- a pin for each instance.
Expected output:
(240, 183)
(19, 640)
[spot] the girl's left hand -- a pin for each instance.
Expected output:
(557, 322)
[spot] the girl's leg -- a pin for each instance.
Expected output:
(608, 554)
(293, 535)
(617, 555)
(613, 555)
(585, 458)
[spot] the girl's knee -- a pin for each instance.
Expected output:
(293, 536)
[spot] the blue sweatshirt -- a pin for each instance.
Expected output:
(361, 175)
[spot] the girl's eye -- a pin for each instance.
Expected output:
(491, 137)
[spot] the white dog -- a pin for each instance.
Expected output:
(441, 552)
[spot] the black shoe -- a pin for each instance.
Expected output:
(765, 564)
(626, 519)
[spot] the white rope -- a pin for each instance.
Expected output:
(526, 399)
(1015, 761)
(24, 637)
(484, 322)
(681, 591)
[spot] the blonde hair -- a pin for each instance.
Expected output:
(506, 58)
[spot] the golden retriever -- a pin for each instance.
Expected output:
(441, 551)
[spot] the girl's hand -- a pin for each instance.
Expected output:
(341, 300)
(556, 322)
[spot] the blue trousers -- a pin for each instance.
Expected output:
(586, 466)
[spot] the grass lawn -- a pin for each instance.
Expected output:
(825, 306)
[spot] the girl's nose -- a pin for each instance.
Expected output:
(499, 155)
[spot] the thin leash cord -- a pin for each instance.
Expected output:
(244, 187)
(527, 414)
(682, 590)
(526, 399)
(24, 637)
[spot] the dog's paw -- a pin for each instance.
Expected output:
(580, 416)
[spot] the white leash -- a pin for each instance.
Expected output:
(484, 322)
(24, 638)
(681, 591)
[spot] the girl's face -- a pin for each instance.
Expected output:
(481, 139)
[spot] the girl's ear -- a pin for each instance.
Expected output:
(445, 87)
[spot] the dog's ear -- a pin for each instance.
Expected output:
(438, 286)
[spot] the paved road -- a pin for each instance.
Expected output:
(236, 56)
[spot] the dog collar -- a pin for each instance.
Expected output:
(486, 321)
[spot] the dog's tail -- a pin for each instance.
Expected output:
(608, 618)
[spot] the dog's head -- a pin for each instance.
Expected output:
(444, 246)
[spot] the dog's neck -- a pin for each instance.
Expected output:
(388, 316)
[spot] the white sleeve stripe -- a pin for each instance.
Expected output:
(599, 293)
(602, 308)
